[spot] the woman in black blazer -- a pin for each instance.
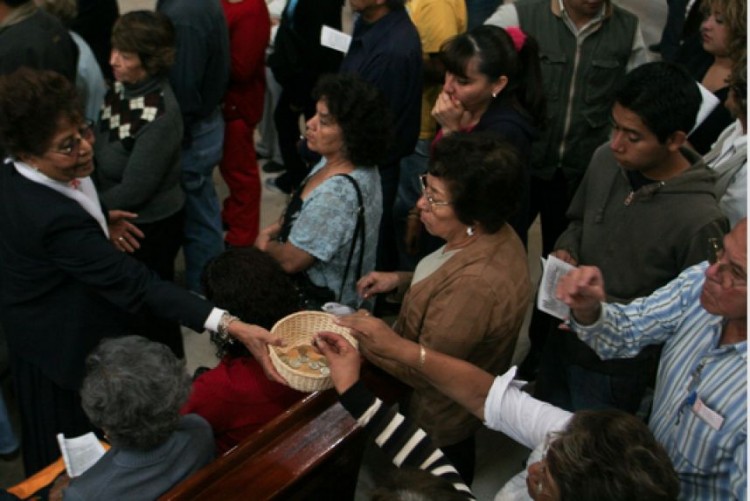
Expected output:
(66, 280)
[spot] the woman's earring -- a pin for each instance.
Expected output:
(470, 231)
(494, 95)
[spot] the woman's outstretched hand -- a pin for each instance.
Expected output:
(374, 335)
(343, 359)
(377, 282)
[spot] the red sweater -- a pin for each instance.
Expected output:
(237, 398)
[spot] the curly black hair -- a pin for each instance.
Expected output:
(361, 111)
(483, 174)
(33, 105)
(248, 283)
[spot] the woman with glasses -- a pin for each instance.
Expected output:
(63, 284)
(137, 148)
(468, 298)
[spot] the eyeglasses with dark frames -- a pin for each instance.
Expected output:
(72, 145)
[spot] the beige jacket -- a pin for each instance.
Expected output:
(471, 308)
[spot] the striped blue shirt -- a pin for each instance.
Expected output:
(711, 463)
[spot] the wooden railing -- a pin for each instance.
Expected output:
(311, 451)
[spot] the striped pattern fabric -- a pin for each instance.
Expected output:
(711, 463)
(404, 443)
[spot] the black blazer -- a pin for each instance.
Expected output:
(64, 286)
(298, 59)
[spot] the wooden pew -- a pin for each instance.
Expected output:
(313, 450)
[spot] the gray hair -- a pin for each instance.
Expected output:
(133, 390)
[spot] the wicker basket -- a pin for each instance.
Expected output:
(300, 329)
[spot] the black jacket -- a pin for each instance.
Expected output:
(298, 59)
(64, 286)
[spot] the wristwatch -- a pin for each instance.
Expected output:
(222, 332)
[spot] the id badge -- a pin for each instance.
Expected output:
(707, 414)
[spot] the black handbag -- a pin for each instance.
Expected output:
(313, 297)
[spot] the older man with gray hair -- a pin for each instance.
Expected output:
(700, 400)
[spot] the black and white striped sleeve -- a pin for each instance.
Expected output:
(403, 442)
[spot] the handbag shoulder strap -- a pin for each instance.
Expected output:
(359, 231)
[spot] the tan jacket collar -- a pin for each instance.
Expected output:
(486, 245)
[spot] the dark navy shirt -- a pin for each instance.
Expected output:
(388, 54)
(200, 72)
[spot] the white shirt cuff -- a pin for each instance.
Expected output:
(212, 322)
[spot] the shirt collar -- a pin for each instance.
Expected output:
(371, 33)
(85, 194)
(33, 174)
(738, 137)
(592, 23)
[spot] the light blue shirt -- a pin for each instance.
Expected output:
(89, 80)
(711, 463)
(325, 226)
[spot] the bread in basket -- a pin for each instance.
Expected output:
(302, 366)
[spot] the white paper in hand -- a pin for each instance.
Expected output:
(80, 453)
(335, 39)
(553, 269)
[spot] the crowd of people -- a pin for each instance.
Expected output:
(434, 136)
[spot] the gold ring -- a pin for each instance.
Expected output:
(121, 239)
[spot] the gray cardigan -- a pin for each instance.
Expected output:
(138, 141)
(134, 474)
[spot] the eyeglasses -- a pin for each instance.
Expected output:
(730, 276)
(427, 192)
(71, 146)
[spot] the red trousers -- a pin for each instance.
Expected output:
(239, 168)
